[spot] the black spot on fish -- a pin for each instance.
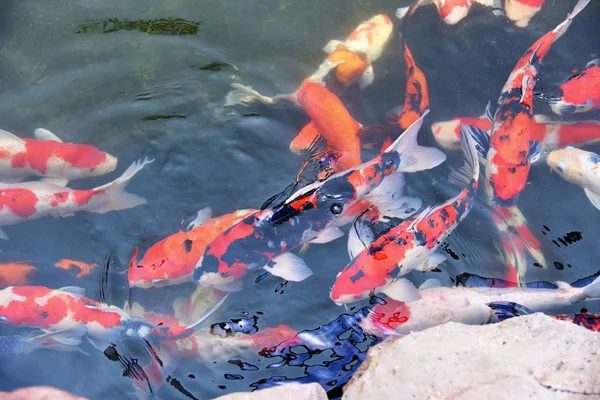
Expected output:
(504, 138)
(191, 376)
(244, 366)
(446, 247)
(538, 265)
(512, 170)
(356, 277)
(251, 115)
(569, 238)
(222, 387)
(233, 377)
(188, 245)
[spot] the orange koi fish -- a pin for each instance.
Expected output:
(408, 246)
(27, 201)
(510, 150)
(331, 121)
(171, 261)
(15, 274)
(84, 268)
(581, 92)
(47, 156)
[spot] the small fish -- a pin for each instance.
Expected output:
(581, 92)
(84, 268)
(331, 121)
(472, 306)
(551, 134)
(416, 99)
(15, 273)
(18, 345)
(522, 11)
(410, 245)
(20, 202)
(171, 261)
(351, 60)
(312, 214)
(47, 156)
(579, 167)
(510, 150)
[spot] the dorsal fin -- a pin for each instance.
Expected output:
(4, 135)
(74, 290)
(45, 134)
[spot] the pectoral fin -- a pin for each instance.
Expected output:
(289, 267)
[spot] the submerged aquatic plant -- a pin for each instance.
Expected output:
(159, 26)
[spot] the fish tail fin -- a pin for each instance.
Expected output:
(118, 198)
(244, 95)
(62, 340)
(470, 169)
(563, 26)
(593, 289)
(412, 156)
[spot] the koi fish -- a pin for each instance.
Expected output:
(408, 246)
(67, 309)
(351, 61)
(312, 214)
(450, 11)
(416, 100)
(355, 56)
(331, 121)
(18, 344)
(579, 167)
(27, 201)
(15, 274)
(583, 318)
(510, 150)
(171, 261)
(47, 156)
(522, 11)
(550, 133)
(581, 92)
(472, 306)
(84, 268)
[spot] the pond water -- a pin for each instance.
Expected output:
(149, 79)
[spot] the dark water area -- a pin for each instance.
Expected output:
(149, 78)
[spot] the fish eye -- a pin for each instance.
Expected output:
(389, 162)
(336, 208)
(560, 168)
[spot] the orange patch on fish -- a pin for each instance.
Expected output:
(84, 268)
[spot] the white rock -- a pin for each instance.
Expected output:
(533, 357)
(290, 391)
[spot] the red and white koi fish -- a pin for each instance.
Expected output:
(521, 11)
(18, 344)
(20, 202)
(312, 214)
(67, 309)
(171, 261)
(581, 92)
(330, 121)
(552, 134)
(351, 61)
(416, 99)
(472, 306)
(510, 150)
(583, 318)
(408, 246)
(579, 167)
(47, 156)
(450, 11)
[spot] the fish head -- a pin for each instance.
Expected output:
(447, 134)
(371, 37)
(573, 164)
(167, 262)
(453, 11)
(521, 11)
(86, 160)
